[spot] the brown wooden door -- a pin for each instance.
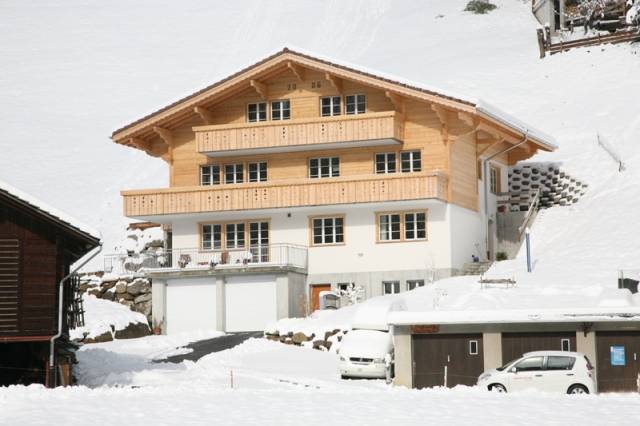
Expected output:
(617, 378)
(315, 295)
(514, 345)
(462, 354)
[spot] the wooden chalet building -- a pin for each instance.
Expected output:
(38, 245)
(299, 174)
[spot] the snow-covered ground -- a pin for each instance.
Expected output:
(276, 384)
(102, 316)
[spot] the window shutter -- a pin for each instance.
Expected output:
(9, 284)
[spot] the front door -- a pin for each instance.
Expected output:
(316, 289)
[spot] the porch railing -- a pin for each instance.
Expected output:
(193, 258)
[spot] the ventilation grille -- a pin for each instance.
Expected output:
(9, 281)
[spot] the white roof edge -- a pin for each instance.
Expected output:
(51, 211)
(508, 316)
(507, 119)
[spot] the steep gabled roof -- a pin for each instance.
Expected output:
(373, 78)
(63, 220)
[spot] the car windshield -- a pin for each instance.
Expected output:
(505, 366)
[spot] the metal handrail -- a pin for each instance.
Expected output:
(532, 208)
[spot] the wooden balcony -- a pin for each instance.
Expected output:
(342, 190)
(298, 135)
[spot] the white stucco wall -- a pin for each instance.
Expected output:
(360, 252)
(467, 235)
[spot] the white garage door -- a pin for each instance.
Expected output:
(191, 305)
(250, 302)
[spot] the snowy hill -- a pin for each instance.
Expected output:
(93, 66)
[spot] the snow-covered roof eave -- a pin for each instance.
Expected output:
(492, 112)
(54, 213)
(512, 316)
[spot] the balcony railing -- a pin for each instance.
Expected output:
(300, 134)
(282, 194)
(278, 255)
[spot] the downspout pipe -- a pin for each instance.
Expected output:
(52, 342)
(485, 174)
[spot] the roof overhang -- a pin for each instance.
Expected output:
(134, 133)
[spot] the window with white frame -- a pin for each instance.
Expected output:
(258, 172)
(329, 106)
(233, 173)
(259, 241)
(386, 162)
(402, 226)
(211, 237)
(413, 284)
(234, 235)
(389, 227)
(324, 167)
(473, 347)
(355, 104)
(210, 175)
(257, 112)
(410, 161)
(390, 287)
(280, 110)
(565, 345)
(415, 226)
(327, 230)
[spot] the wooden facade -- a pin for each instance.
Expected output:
(36, 252)
(212, 127)
(221, 198)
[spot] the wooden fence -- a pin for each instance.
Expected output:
(544, 41)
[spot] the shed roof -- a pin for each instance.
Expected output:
(62, 219)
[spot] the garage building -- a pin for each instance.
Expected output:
(454, 347)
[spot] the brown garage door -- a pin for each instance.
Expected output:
(514, 345)
(460, 353)
(618, 363)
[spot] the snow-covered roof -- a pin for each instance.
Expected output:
(506, 316)
(47, 210)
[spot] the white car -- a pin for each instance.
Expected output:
(366, 354)
(551, 371)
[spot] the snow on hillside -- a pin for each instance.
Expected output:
(103, 316)
(73, 72)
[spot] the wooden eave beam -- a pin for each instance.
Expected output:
(397, 101)
(204, 114)
(468, 120)
(297, 70)
(261, 88)
(140, 144)
(487, 146)
(441, 112)
(165, 134)
(334, 81)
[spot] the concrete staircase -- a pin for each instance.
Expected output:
(475, 268)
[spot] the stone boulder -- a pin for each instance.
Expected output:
(143, 298)
(133, 331)
(144, 308)
(121, 287)
(137, 286)
(104, 337)
(109, 295)
(94, 292)
(299, 338)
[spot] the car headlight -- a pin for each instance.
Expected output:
(484, 376)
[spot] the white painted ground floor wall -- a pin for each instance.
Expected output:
(454, 234)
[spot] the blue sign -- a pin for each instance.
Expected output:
(617, 356)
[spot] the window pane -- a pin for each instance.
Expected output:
(396, 287)
(417, 162)
(335, 166)
(313, 168)
(560, 363)
(391, 163)
(530, 364)
(395, 227)
(339, 230)
(384, 227)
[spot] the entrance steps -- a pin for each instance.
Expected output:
(475, 268)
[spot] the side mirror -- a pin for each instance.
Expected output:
(513, 370)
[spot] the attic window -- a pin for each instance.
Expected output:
(257, 112)
(280, 110)
(355, 104)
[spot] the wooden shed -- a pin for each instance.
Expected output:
(38, 245)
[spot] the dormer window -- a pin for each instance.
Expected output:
(330, 106)
(257, 112)
(355, 104)
(280, 110)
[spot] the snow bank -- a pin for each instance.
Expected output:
(102, 316)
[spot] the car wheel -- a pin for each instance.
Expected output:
(497, 388)
(577, 389)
